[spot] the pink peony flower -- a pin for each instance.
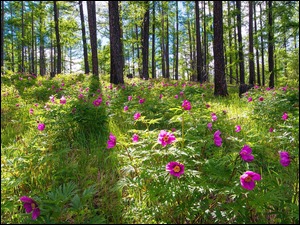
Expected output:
(52, 98)
(237, 128)
(112, 141)
(31, 206)
(136, 116)
(250, 99)
(284, 158)
(209, 126)
(97, 102)
(165, 138)
(217, 138)
(135, 138)
(271, 129)
(261, 98)
(31, 111)
(125, 108)
(142, 100)
(214, 117)
(175, 168)
(245, 153)
(285, 116)
(176, 96)
(129, 98)
(248, 178)
(186, 105)
(41, 126)
(63, 100)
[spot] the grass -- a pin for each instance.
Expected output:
(68, 170)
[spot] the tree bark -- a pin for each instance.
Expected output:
(241, 55)
(270, 45)
(93, 36)
(2, 36)
(145, 42)
(116, 49)
(85, 53)
(153, 42)
(177, 43)
(219, 64)
(198, 44)
(58, 63)
(262, 48)
(251, 54)
(256, 47)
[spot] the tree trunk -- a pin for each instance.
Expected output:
(251, 54)
(85, 53)
(198, 44)
(2, 36)
(162, 43)
(153, 42)
(230, 43)
(145, 42)
(241, 55)
(177, 43)
(219, 65)
(256, 47)
(32, 43)
(262, 48)
(58, 63)
(205, 47)
(167, 54)
(116, 48)
(93, 36)
(138, 51)
(23, 55)
(270, 45)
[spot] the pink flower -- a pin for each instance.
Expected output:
(271, 129)
(284, 158)
(63, 100)
(80, 96)
(97, 102)
(41, 126)
(176, 96)
(52, 98)
(209, 126)
(261, 98)
(285, 116)
(214, 117)
(129, 98)
(250, 99)
(217, 138)
(31, 111)
(125, 108)
(186, 105)
(136, 116)
(175, 168)
(207, 105)
(112, 141)
(160, 96)
(165, 138)
(173, 129)
(135, 138)
(142, 100)
(248, 178)
(31, 206)
(181, 93)
(237, 128)
(245, 153)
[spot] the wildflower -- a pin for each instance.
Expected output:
(207, 105)
(176, 96)
(41, 126)
(284, 158)
(214, 117)
(285, 116)
(31, 206)
(248, 178)
(181, 93)
(245, 153)
(80, 96)
(160, 96)
(250, 99)
(142, 100)
(129, 98)
(112, 141)
(125, 108)
(31, 111)
(261, 98)
(175, 168)
(63, 100)
(271, 129)
(209, 126)
(97, 102)
(52, 98)
(186, 105)
(165, 138)
(135, 138)
(173, 129)
(217, 138)
(136, 116)
(237, 128)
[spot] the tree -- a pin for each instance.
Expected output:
(198, 44)
(93, 36)
(177, 43)
(251, 54)
(270, 45)
(153, 41)
(58, 46)
(145, 42)
(116, 49)
(262, 47)
(241, 55)
(85, 54)
(256, 47)
(219, 64)
(2, 35)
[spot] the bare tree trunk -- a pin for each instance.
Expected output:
(167, 44)
(198, 44)
(270, 45)
(256, 47)
(22, 65)
(58, 66)
(145, 42)
(153, 42)
(93, 36)
(218, 49)
(241, 55)
(163, 43)
(251, 54)
(262, 48)
(177, 43)
(2, 36)
(85, 53)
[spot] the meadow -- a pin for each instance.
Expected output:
(78, 150)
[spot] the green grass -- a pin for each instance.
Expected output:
(68, 170)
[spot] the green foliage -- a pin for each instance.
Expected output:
(68, 170)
